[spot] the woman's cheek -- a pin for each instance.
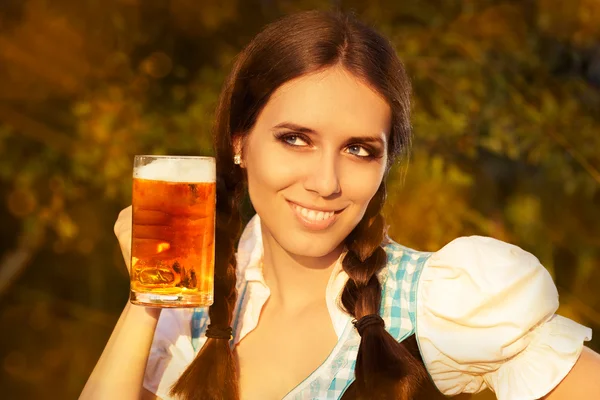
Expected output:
(360, 182)
(278, 167)
(271, 170)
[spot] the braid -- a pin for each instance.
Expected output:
(214, 372)
(385, 369)
(213, 375)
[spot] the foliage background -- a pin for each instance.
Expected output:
(507, 144)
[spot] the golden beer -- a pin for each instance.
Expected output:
(172, 252)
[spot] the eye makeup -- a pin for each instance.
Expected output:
(300, 140)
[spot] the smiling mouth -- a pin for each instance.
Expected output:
(314, 219)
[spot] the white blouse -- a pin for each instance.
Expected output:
(485, 318)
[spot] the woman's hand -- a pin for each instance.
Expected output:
(123, 233)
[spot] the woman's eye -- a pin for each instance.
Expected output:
(294, 140)
(358, 150)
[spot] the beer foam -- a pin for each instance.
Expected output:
(178, 170)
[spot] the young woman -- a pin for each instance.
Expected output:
(318, 303)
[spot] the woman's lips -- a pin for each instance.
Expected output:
(313, 219)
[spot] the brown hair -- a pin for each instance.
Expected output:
(286, 49)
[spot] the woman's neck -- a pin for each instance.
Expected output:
(295, 282)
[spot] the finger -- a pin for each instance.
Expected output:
(126, 257)
(126, 212)
(123, 219)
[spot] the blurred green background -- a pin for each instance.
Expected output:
(507, 144)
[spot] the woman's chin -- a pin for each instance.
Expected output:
(313, 248)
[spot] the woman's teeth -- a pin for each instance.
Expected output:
(313, 215)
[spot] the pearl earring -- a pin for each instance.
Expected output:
(237, 159)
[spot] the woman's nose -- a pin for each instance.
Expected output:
(323, 176)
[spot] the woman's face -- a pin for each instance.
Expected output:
(315, 158)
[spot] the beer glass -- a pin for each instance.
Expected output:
(172, 251)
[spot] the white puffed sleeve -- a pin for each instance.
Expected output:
(171, 351)
(486, 319)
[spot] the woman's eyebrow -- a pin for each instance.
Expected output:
(354, 139)
(295, 127)
(366, 139)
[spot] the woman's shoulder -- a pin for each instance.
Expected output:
(484, 315)
(469, 276)
(470, 280)
(403, 262)
(491, 261)
(478, 275)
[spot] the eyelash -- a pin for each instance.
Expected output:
(284, 135)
